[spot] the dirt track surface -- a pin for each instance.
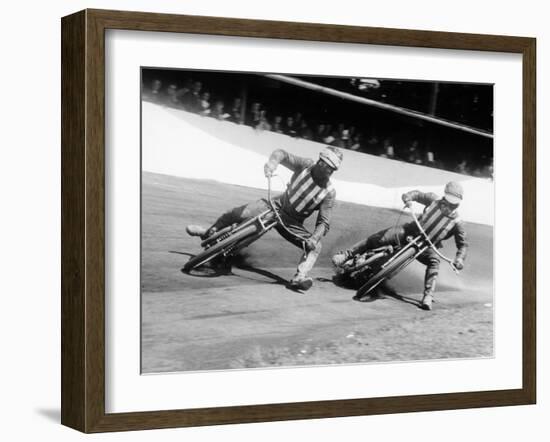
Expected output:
(250, 319)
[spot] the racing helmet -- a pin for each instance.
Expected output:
(332, 156)
(454, 192)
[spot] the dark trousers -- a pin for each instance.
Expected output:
(396, 236)
(242, 213)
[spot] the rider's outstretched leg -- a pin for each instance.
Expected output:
(392, 236)
(222, 264)
(232, 216)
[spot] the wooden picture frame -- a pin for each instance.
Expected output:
(83, 220)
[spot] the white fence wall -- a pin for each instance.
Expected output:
(182, 144)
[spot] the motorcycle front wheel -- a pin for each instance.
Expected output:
(219, 248)
(387, 272)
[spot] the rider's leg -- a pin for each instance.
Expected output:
(300, 280)
(431, 260)
(392, 236)
(235, 215)
(307, 261)
(239, 214)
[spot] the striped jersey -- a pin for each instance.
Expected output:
(303, 195)
(437, 225)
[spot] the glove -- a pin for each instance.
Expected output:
(406, 201)
(459, 263)
(269, 169)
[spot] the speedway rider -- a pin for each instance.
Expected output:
(440, 220)
(309, 190)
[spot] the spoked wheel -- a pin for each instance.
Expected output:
(218, 248)
(387, 272)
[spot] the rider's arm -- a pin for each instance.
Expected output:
(322, 224)
(420, 197)
(461, 241)
(288, 160)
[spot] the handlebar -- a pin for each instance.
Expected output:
(434, 248)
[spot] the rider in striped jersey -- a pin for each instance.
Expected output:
(309, 190)
(440, 220)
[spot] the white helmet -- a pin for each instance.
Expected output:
(454, 192)
(332, 156)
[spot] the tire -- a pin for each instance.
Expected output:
(218, 249)
(395, 266)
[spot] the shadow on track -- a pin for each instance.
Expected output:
(276, 278)
(239, 262)
(205, 271)
(386, 291)
(181, 253)
(383, 291)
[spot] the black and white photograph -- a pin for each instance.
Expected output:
(293, 220)
(260, 221)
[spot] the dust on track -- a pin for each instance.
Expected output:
(250, 319)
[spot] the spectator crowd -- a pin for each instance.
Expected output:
(193, 97)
